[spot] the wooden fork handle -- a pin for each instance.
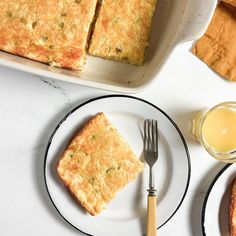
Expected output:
(151, 216)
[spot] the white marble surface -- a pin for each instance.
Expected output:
(30, 108)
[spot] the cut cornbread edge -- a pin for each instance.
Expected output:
(115, 37)
(47, 32)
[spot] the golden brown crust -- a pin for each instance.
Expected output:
(97, 164)
(50, 31)
(122, 29)
(232, 210)
(15, 36)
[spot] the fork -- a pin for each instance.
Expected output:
(151, 155)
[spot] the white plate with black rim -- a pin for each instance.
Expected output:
(215, 209)
(126, 214)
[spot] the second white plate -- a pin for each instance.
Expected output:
(215, 210)
(126, 214)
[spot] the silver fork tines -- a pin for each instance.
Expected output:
(151, 149)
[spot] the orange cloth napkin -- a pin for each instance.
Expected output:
(217, 47)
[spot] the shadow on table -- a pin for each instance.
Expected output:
(38, 167)
(184, 118)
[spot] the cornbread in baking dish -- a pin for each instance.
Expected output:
(122, 29)
(49, 31)
(97, 164)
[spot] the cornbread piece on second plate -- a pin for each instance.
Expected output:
(232, 210)
(97, 164)
(122, 30)
(49, 31)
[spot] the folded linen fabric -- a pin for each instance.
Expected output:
(217, 47)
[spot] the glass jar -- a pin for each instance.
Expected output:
(215, 129)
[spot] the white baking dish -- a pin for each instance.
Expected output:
(175, 21)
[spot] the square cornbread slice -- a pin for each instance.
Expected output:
(97, 164)
(50, 31)
(122, 30)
